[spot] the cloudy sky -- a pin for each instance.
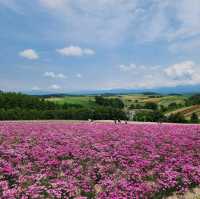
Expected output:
(68, 45)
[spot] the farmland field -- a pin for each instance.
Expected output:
(92, 160)
(127, 99)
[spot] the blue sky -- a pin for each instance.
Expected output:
(69, 45)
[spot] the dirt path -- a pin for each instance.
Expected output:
(95, 121)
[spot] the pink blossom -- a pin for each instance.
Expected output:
(58, 160)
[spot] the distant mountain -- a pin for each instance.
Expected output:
(180, 89)
(162, 90)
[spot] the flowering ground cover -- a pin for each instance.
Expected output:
(58, 160)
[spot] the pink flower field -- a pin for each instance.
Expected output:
(60, 160)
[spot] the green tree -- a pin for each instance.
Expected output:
(195, 99)
(163, 108)
(177, 118)
(149, 116)
(172, 106)
(151, 105)
(113, 102)
(194, 118)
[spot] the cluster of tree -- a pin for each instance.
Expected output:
(109, 102)
(21, 101)
(154, 106)
(151, 93)
(149, 116)
(16, 106)
(175, 94)
(136, 106)
(176, 118)
(155, 96)
(180, 118)
(193, 100)
(194, 118)
(151, 105)
(148, 105)
(99, 113)
(172, 106)
(163, 108)
(69, 105)
(158, 116)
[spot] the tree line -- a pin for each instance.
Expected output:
(17, 106)
(111, 102)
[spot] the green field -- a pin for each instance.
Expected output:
(127, 99)
(142, 99)
(85, 101)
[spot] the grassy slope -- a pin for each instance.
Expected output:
(171, 99)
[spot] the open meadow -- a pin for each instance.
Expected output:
(98, 160)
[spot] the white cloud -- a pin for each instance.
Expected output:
(88, 51)
(29, 54)
(126, 68)
(36, 88)
(70, 51)
(55, 87)
(138, 68)
(181, 70)
(75, 51)
(184, 73)
(50, 74)
(54, 75)
(61, 76)
(78, 75)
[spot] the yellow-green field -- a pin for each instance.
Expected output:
(127, 99)
(80, 100)
(160, 100)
